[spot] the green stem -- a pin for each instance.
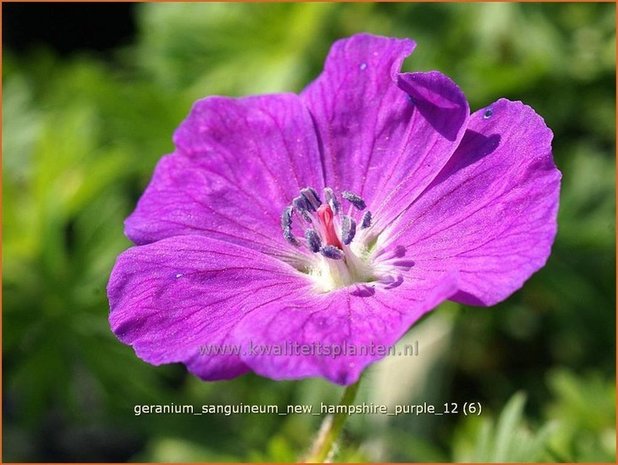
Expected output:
(331, 428)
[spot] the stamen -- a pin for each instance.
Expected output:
(300, 203)
(286, 218)
(287, 234)
(333, 231)
(330, 251)
(366, 220)
(354, 199)
(311, 197)
(348, 229)
(330, 198)
(313, 240)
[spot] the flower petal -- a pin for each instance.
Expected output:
(337, 334)
(238, 163)
(172, 297)
(491, 212)
(383, 135)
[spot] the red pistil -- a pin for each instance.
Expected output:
(325, 215)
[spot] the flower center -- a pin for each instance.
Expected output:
(340, 241)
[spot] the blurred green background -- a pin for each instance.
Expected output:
(82, 133)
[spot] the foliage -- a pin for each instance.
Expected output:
(578, 426)
(507, 439)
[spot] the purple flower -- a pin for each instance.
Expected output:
(296, 232)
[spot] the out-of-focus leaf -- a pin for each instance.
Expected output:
(584, 409)
(507, 439)
(190, 45)
(170, 449)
